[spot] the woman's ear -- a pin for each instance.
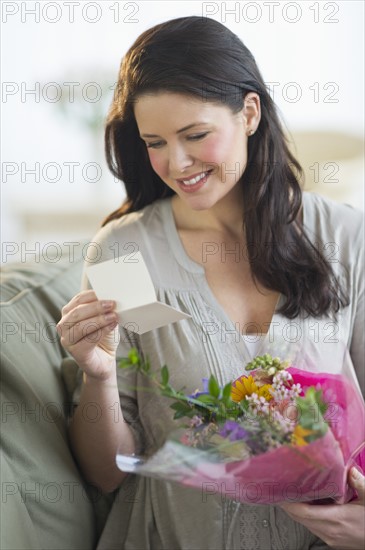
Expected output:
(252, 112)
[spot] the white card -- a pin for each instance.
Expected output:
(127, 281)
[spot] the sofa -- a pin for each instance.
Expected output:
(45, 502)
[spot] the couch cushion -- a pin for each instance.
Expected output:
(43, 494)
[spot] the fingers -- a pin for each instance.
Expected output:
(304, 512)
(85, 316)
(84, 297)
(338, 525)
(87, 310)
(92, 329)
(90, 332)
(357, 482)
(299, 510)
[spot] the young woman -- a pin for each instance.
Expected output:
(215, 206)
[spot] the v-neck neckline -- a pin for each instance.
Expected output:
(191, 266)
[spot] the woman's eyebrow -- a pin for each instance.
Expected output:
(178, 131)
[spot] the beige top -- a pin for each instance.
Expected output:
(152, 514)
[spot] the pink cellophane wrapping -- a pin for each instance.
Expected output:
(312, 472)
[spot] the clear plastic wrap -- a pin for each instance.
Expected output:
(297, 470)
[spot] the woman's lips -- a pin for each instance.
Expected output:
(192, 187)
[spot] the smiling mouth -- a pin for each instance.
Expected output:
(196, 179)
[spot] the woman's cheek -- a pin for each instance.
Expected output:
(211, 151)
(157, 163)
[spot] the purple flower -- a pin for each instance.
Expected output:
(205, 389)
(205, 385)
(234, 431)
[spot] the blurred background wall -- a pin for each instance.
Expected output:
(59, 66)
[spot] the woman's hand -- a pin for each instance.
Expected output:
(89, 331)
(340, 526)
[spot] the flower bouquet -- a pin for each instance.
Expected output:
(276, 433)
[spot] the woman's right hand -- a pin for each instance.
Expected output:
(89, 331)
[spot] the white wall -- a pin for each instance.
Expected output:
(313, 49)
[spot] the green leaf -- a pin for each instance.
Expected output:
(133, 356)
(226, 393)
(180, 407)
(311, 409)
(213, 387)
(164, 375)
(206, 398)
(180, 414)
(124, 363)
(146, 367)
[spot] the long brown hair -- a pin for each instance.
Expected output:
(200, 57)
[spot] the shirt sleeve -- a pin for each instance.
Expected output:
(357, 351)
(103, 247)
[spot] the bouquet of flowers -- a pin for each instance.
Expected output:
(276, 433)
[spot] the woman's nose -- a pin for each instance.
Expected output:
(179, 160)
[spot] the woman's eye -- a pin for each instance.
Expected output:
(158, 144)
(154, 145)
(196, 137)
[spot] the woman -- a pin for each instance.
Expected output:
(215, 207)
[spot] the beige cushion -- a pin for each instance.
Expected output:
(45, 503)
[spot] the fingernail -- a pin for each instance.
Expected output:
(355, 473)
(107, 304)
(110, 317)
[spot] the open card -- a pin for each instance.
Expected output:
(127, 281)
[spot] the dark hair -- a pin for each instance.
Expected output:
(200, 57)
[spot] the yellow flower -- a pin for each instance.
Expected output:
(246, 385)
(299, 434)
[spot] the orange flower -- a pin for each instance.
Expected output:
(299, 434)
(246, 385)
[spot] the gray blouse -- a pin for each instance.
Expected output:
(153, 514)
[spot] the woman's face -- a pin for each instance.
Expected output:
(199, 149)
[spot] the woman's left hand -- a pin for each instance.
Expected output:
(341, 526)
